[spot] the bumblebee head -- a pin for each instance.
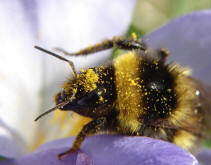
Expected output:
(90, 92)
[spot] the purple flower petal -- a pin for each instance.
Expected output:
(204, 157)
(188, 40)
(20, 71)
(46, 157)
(110, 149)
(31, 13)
(11, 144)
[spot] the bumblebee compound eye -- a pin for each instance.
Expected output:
(89, 100)
(89, 105)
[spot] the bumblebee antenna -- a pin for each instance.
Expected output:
(53, 109)
(59, 57)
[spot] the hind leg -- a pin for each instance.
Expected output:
(116, 42)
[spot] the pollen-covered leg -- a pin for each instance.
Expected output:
(93, 127)
(117, 42)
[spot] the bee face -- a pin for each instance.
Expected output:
(91, 92)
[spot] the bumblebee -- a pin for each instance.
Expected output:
(136, 94)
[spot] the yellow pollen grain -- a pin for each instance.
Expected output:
(75, 90)
(134, 36)
(164, 98)
(169, 90)
(101, 99)
(133, 83)
(88, 79)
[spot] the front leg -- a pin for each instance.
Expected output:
(93, 127)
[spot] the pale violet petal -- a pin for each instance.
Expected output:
(110, 149)
(20, 70)
(204, 156)
(75, 24)
(11, 144)
(30, 12)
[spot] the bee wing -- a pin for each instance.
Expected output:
(201, 114)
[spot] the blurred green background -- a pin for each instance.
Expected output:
(151, 14)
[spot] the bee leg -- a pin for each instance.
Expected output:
(91, 128)
(163, 54)
(117, 42)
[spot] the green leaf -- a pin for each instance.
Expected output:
(207, 143)
(133, 29)
(116, 53)
(3, 157)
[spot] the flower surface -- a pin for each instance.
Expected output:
(110, 149)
